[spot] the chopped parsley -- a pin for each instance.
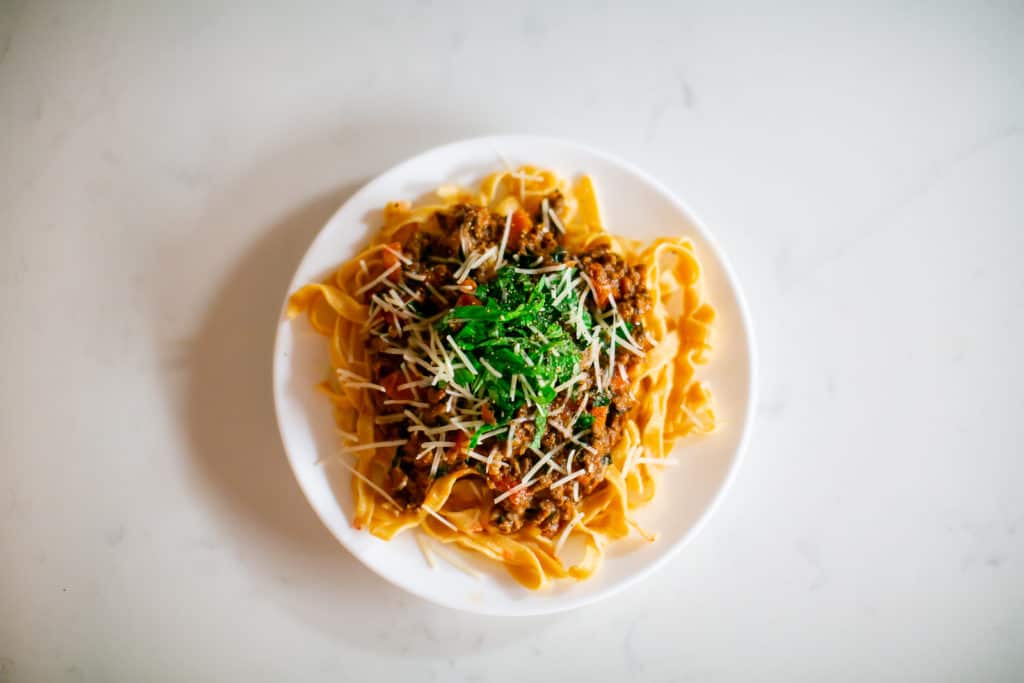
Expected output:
(585, 421)
(524, 329)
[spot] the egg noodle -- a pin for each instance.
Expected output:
(670, 402)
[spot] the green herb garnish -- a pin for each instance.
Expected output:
(519, 331)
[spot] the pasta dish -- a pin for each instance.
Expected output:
(507, 376)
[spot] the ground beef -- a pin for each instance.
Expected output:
(428, 283)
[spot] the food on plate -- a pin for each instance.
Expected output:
(507, 375)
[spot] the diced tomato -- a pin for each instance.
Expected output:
(519, 226)
(467, 300)
(468, 285)
(389, 258)
(599, 277)
(600, 415)
(503, 482)
(618, 385)
(391, 383)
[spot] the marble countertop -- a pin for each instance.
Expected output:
(163, 165)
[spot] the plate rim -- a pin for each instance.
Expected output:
(503, 142)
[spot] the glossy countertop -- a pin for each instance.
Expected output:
(164, 165)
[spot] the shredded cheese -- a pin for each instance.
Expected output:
(567, 478)
(504, 241)
(569, 382)
(489, 367)
(579, 411)
(345, 373)
(508, 441)
(611, 362)
(346, 435)
(437, 444)
(401, 402)
(369, 483)
(512, 491)
(461, 271)
(435, 464)
(463, 356)
(543, 269)
(376, 444)
(565, 532)
(377, 280)
(540, 463)
(363, 385)
(439, 518)
(399, 255)
(559, 428)
(554, 219)
(576, 440)
(628, 463)
(539, 334)
(495, 432)
(590, 285)
(436, 294)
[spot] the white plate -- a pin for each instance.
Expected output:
(633, 204)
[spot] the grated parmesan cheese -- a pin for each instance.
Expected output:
(543, 269)
(555, 220)
(504, 241)
(463, 356)
(567, 478)
(363, 385)
(377, 280)
(376, 444)
(370, 483)
(565, 532)
(439, 518)
(489, 367)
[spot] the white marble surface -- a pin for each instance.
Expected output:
(163, 165)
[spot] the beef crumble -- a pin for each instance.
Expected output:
(426, 280)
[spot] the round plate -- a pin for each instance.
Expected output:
(633, 205)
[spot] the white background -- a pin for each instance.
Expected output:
(164, 165)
